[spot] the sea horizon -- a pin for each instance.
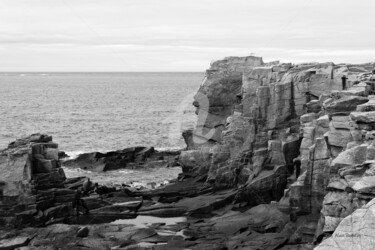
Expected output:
(99, 111)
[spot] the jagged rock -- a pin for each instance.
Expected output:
(266, 187)
(103, 162)
(261, 218)
(26, 217)
(30, 165)
(337, 184)
(14, 243)
(368, 106)
(218, 94)
(365, 184)
(200, 205)
(62, 155)
(276, 153)
(57, 212)
(253, 240)
(341, 122)
(250, 119)
(44, 166)
(270, 101)
(134, 157)
(321, 149)
(364, 117)
(15, 170)
(319, 173)
(30, 139)
(336, 206)
(355, 91)
(356, 231)
(308, 117)
(195, 161)
(323, 121)
(291, 150)
(313, 106)
(345, 104)
(83, 232)
(339, 137)
(322, 126)
(193, 141)
(353, 156)
(123, 208)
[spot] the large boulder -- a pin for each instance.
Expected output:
(345, 104)
(356, 231)
(350, 157)
(363, 117)
(22, 159)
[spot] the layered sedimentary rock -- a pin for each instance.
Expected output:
(261, 130)
(294, 116)
(30, 172)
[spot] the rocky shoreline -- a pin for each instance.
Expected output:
(282, 157)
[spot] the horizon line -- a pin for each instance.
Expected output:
(102, 71)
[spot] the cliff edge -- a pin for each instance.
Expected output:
(299, 135)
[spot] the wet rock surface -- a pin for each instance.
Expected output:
(128, 158)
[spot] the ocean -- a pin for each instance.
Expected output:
(86, 112)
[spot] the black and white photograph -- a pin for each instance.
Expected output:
(187, 125)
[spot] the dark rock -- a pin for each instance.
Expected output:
(313, 106)
(195, 161)
(127, 158)
(14, 243)
(144, 154)
(26, 217)
(29, 139)
(83, 232)
(345, 104)
(44, 166)
(266, 187)
(74, 183)
(45, 203)
(57, 212)
(62, 155)
(143, 233)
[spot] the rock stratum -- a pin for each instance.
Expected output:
(282, 157)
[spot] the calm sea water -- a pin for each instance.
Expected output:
(87, 112)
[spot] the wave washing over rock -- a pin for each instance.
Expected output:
(282, 157)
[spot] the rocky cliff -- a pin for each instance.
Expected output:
(33, 184)
(301, 135)
(283, 157)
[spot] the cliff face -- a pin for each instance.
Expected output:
(262, 119)
(31, 176)
(216, 97)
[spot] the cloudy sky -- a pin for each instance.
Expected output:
(175, 35)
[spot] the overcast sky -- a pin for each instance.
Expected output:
(175, 35)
